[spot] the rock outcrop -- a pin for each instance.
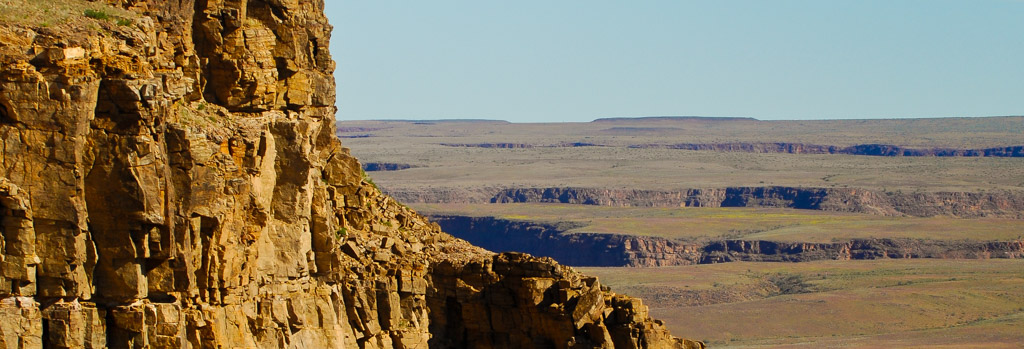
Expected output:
(592, 249)
(172, 179)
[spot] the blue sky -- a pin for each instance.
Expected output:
(577, 60)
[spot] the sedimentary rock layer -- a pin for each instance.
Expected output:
(588, 249)
(957, 204)
(1000, 203)
(172, 180)
(1014, 151)
(489, 145)
(860, 149)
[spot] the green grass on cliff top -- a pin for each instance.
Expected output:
(879, 303)
(36, 13)
(694, 224)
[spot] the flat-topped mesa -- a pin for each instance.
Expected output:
(170, 178)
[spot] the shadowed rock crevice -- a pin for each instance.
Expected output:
(5, 117)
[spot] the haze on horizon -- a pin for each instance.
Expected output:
(537, 61)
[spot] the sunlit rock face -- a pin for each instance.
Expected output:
(170, 178)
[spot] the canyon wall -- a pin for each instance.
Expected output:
(550, 240)
(956, 204)
(591, 249)
(1015, 151)
(996, 203)
(385, 166)
(890, 150)
(172, 179)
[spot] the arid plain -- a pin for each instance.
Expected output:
(747, 233)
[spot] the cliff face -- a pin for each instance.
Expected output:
(1006, 203)
(1015, 151)
(957, 204)
(551, 240)
(172, 180)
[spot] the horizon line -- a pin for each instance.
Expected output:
(671, 118)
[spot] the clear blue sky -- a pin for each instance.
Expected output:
(577, 60)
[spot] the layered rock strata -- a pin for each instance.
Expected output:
(552, 240)
(888, 150)
(998, 203)
(489, 145)
(1008, 204)
(589, 249)
(172, 179)
(1014, 151)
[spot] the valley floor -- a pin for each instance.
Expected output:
(879, 303)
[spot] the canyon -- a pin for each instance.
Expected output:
(1008, 204)
(621, 250)
(746, 233)
(956, 204)
(776, 147)
(170, 177)
(859, 149)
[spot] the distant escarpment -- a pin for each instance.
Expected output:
(860, 149)
(957, 204)
(1000, 203)
(489, 145)
(385, 166)
(172, 179)
(520, 145)
(676, 118)
(588, 249)
(550, 240)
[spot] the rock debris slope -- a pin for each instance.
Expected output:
(171, 179)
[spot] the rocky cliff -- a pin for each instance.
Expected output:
(1014, 151)
(585, 249)
(956, 204)
(997, 203)
(552, 240)
(170, 178)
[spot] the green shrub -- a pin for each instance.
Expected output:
(369, 180)
(97, 14)
(789, 283)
